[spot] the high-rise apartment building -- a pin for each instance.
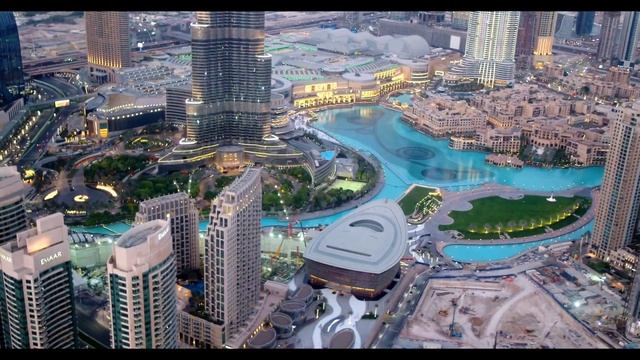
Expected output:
(36, 288)
(617, 212)
(460, 20)
(489, 56)
(629, 38)
(141, 278)
(584, 23)
(11, 75)
(108, 46)
(633, 308)
(545, 25)
(608, 35)
(180, 210)
(13, 215)
(231, 78)
(232, 254)
(526, 40)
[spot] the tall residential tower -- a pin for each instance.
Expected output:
(629, 38)
(617, 212)
(141, 278)
(11, 75)
(182, 213)
(108, 47)
(584, 23)
(36, 288)
(489, 56)
(232, 254)
(545, 26)
(13, 215)
(608, 35)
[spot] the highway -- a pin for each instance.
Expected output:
(41, 138)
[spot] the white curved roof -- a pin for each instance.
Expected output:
(372, 239)
(345, 41)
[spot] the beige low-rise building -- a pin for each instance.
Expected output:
(586, 152)
(500, 140)
(441, 117)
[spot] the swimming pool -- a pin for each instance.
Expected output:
(328, 154)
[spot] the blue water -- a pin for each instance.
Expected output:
(488, 253)
(409, 156)
(404, 99)
(196, 287)
(328, 155)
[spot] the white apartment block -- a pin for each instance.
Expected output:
(232, 264)
(141, 281)
(181, 211)
(36, 288)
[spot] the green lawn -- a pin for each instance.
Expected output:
(409, 201)
(524, 217)
(347, 185)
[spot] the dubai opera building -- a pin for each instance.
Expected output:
(361, 252)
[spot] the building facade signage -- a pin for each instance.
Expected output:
(50, 258)
(5, 258)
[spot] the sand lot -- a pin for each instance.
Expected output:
(502, 313)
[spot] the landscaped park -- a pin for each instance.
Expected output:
(491, 217)
(420, 202)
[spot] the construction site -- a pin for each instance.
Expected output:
(507, 312)
(282, 250)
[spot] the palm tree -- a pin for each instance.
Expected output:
(523, 223)
(487, 227)
(511, 225)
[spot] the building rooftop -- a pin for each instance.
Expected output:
(371, 239)
(138, 234)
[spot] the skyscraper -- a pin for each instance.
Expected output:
(545, 26)
(629, 38)
(142, 286)
(232, 254)
(526, 39)
(460, 20)
(231, 78)
(108, 46)
(617, 212)
(633, 308)
(490, 48)
(11, 75)
(608, 34)
(181, 211)
(36, 288)
(584, 23)
(13, 216)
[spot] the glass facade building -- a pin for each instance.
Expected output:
(11, 75)
(231, 77)
(584, 23)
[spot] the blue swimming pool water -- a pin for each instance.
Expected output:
(488, 253)
(328, 155)
(409, 156)
(196, 287)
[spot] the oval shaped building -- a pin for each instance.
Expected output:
(361, 252)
